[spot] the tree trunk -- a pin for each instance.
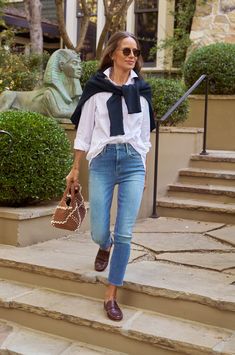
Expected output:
(104, 32)
(84, 28)
(85, 23)
(62, 27)
(33, 14)
(115, 17)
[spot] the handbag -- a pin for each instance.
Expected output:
(70, 211)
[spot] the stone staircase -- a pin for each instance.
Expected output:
(49, 293)
(204, 191)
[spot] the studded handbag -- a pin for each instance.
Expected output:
(70, 211)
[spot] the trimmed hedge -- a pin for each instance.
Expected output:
(88, 69)
(216, 60)
(165, 93)
(40, 158)
(20, 72)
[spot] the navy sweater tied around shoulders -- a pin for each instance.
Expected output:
(131, 93)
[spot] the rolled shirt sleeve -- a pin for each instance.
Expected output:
(86, 124)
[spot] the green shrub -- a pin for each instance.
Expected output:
(40, 159)
(88, 69)
(216, 60)
(20, 71)
(165, 93)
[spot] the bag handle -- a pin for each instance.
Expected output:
(71, 190)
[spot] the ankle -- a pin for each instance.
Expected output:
(110, 293)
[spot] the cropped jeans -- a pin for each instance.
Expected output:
(122, 165)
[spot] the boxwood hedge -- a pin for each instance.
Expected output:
(39, 160)
(218, 62)
(165, 93)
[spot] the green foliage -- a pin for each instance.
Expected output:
(20, 71)
(88, 69)
(180, 41)
(2, 4)
(40, 158)
(165, 93)
(218, 62)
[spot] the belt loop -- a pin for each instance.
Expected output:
(127, 148)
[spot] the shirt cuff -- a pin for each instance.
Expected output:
(79, 145)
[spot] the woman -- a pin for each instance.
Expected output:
(114, 119)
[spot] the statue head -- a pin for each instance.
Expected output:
(63, 66)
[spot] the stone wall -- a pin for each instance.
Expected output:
(214, 21)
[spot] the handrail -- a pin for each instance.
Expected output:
(9, 135)
(164, 118)
(179, 102)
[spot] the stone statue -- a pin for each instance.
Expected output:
(60, 91)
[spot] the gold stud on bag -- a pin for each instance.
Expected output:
(70, 211)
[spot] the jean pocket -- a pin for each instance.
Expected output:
(133, 153)
(98, 157)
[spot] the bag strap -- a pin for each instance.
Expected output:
(71, 190)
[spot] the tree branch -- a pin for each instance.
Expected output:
(33, 15)
(62, 27)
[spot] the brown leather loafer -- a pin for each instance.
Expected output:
(113, 311)
(102, 260)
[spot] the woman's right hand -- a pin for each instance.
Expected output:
(72, 178)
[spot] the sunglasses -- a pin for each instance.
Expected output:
(127, 51)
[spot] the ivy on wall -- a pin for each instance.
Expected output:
(184, 12)
(179, 43)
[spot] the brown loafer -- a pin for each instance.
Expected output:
(102, 260)
(113, 311)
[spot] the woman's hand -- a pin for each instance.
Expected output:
(72, 178)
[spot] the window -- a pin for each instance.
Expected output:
(146, 22)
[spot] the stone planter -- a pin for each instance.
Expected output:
(29, 225)
(221, 119)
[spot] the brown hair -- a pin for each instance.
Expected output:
(106, 60)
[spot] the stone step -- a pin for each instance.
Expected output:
(224, 160)
(197, 210)
(66, 265)
(16, 339)
(207, 177)
(213, 193)
(81, 318)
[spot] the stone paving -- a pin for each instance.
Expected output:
(161, 249)
(172, 258)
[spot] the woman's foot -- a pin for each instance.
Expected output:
(113, 311)
(111, 307)
(102, 259)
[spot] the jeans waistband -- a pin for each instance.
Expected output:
(118, 146)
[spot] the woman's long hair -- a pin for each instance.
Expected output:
(106, 59)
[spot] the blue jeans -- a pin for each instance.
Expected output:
(122, 165)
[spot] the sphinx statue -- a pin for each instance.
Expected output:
(60, 91)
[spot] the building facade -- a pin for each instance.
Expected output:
(15, 17)
(151, 21)
(214, 21)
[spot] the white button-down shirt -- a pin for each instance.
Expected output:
(93, 131)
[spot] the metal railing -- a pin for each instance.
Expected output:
(9, 137)
(164, 118)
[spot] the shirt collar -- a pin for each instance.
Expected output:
(131, 76)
